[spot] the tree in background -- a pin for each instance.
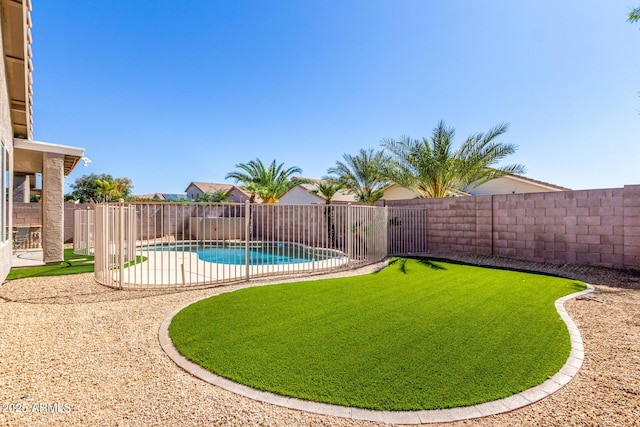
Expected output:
(362, 174)
(327, 189)
(123, 187)
(431, 167)
(634, 16)
(107, 191)
(99, 188)
(269, 183)
(218, 196)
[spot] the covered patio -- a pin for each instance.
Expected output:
(54, 162)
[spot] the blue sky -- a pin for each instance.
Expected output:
(167, 92)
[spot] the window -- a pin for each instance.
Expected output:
(4, 204)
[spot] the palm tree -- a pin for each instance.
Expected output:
(431, 168)
(362, 174)
(218, 196)
(123, 186)
(327, 189)
(107, 190)
(269, 183)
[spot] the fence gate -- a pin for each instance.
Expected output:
(83, 232)
(407, 232)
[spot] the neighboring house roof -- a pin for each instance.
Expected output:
(145, 196)
(211, 187)
(168, 196)
(162, 196)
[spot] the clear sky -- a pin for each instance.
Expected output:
(166, 92)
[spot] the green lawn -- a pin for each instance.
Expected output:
(421, 334)
(72, 264)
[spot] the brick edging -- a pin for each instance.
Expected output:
(507, 404)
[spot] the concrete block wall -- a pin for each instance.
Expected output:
(589, 227)
(572, 227)
(31, 214)
(27, 213)
(631, 225)
(452, 222)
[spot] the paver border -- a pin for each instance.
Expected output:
(507, 404)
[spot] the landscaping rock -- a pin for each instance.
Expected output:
(83, 354)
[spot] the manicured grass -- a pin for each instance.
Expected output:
(420, 334)
(72, 264)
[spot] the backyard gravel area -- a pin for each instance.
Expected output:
(76, 353)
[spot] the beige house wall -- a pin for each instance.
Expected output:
(589, 227)
(502, 185)
(395, 192)
(508, 185)
(300, 196)
(6, 136)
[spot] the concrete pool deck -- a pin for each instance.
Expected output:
(519, 400)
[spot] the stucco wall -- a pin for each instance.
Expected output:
(299, 196)
(395, 192)
(506, 185)
(6, 135)
(502, 185)
(591, 227)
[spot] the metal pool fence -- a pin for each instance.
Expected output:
(83, 232)
(186, 245)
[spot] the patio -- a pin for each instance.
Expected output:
(27, 258)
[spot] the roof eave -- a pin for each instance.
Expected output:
(72, 155)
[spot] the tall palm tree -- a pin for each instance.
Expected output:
(431, 167)
(362, 174)
(269, 183)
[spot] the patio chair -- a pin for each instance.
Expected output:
(21, 237)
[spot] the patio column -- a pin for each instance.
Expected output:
(21, 188)
(52, 208)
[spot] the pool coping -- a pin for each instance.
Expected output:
(507, 404)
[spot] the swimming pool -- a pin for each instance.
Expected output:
(259, 254)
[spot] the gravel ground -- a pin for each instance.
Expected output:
(75, 353)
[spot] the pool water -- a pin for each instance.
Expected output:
(265, 254)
